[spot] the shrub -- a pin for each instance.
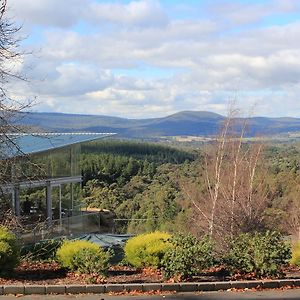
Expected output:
(82, 256)
(42, 250)
(260, 253)
(147, 250)
(296, 254)
(9, 250)
(91, 261)
(187, 256)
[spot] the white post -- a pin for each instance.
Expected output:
(59, 208)
(72, 198)
(17, 201)
(49, 202)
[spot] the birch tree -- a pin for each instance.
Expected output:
(230, 195)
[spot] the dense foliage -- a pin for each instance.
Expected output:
(147, 250)
(187, 256)
(9, 250)
(154, 187)
(82, 256)
(139, 150)
(91, 261)
(262, 254)
(133, 180)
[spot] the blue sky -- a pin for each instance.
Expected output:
(149, 58)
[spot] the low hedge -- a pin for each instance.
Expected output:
(9, 251)
(295, 260)
(83, 257)
(147, 250)
(262, 254)
(187, 256)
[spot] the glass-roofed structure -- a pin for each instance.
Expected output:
(47, 162)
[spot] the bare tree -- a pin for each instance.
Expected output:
(10, 107)
(10, 57)
(234, 197)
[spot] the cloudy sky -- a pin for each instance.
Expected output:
(149, 58)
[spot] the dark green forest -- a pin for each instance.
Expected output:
(135, 180)
(158, 187)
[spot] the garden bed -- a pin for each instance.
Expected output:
(50, 273)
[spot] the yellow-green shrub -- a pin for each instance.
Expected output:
(147, 250)
(82, 256)
(296, 254)
(9, 250)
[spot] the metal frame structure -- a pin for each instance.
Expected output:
(14, 188)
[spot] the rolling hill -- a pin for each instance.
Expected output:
(182, 123)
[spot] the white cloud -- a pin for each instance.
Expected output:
(47, 12)
(143, 13)
(242, 13)
(209, 59)
(67, 13)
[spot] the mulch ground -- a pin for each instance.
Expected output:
(52, 273)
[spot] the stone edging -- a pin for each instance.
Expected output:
(145, 287)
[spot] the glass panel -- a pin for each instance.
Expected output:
(62, 162)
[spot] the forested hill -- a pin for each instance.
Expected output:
(183, 123)
(152, 152)
(117, 161)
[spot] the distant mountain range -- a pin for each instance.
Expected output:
(200, 123)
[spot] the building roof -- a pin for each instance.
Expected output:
(29, 143)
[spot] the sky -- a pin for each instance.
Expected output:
(151, 58)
